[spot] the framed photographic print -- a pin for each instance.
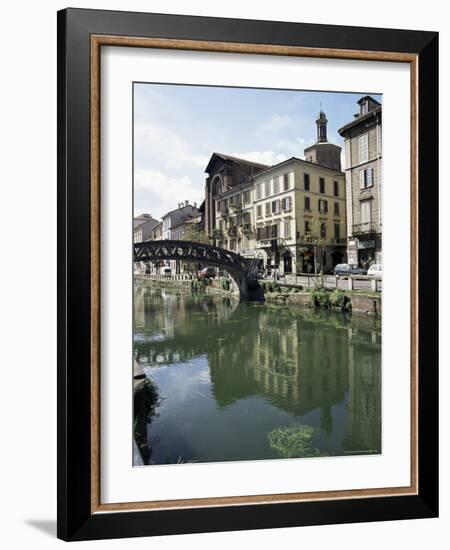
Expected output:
(247, 274)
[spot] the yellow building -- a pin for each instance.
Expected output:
(272, 213)
(295, 201)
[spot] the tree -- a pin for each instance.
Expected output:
(317, 241)
(196, 235)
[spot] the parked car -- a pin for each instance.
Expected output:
(166, 271)
(348, 269)
(207, 273)
(375, 271)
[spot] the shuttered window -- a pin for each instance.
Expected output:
(258, 191)
(276, 186)
(365, 212)
(291, 182)
(287, 229)
(364, 148)
(366, 178)
(276, 206)
(323, 206)
(286, 203)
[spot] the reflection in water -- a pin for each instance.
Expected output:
(232, 375)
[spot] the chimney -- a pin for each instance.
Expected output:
(186, 203)
(195, 205)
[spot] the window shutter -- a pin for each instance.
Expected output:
(370, 177)
(365, 212)
(363, 148)
(291, 180)
(361, 179)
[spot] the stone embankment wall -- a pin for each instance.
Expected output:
(184, 282)
(361, 303)
(369, 303)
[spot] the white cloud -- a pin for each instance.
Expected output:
(293, 147)
(275, 123)
(155, 144)
(157, 193)
(264, 157)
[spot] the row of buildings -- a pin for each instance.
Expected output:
(275, 213)
(173, 225)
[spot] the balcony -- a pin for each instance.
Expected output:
(236, 207)
(367, 228)
(342, 242)
(232, 231)
(272, 243)
(247, 229)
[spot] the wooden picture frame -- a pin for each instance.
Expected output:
(81, 35)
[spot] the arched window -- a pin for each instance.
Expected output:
(216, 187)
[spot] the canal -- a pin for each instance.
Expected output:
(248, 381)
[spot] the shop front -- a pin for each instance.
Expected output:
(364, 252)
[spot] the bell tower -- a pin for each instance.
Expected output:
(321, 123)
(322, 152)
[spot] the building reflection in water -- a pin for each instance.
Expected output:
(314, 366)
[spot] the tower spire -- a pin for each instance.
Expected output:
(321, 127)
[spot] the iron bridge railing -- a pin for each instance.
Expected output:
(192, 252)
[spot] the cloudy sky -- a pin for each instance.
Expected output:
(177, 128)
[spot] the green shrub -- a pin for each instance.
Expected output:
(198, 285)
(341, 300)
(320, 298)
(337, 298)
(225, 283)
(294, 442)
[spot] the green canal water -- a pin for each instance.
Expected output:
(248, 381)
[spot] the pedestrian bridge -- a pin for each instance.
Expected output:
(242, 270)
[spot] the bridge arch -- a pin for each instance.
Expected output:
(241, 270)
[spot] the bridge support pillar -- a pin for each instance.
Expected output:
(239, 284)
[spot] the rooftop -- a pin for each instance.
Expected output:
(298, 160)
(360, 119)
(235, 159)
